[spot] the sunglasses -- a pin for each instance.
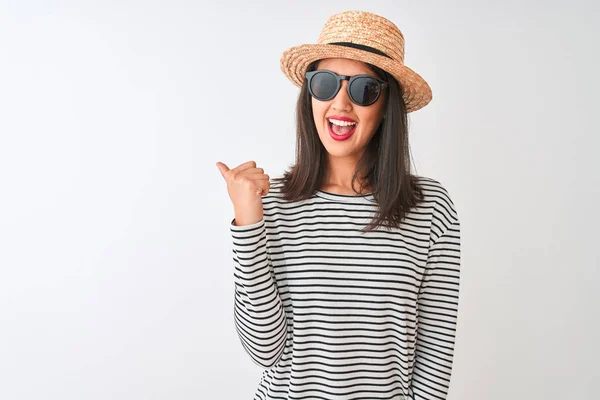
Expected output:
(363, 90)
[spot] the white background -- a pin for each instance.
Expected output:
(116, 274)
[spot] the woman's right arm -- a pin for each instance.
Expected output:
(259, 316)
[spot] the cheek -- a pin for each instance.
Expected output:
(318, 110)
(369, 126)
(370, 120)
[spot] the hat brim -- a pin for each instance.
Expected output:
(295, 60)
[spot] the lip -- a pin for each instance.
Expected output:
(340, 118)
(340, 137)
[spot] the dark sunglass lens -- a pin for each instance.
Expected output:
(323, 85)
(364, 90)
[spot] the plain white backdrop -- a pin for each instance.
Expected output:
(116, 274)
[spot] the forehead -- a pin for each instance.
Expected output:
(344, 66)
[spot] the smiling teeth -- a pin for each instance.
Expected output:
(341, 123)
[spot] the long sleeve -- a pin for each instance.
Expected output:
(259, 317)
(437, 314)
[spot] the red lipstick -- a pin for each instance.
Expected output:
(340, 118)
(336, 136)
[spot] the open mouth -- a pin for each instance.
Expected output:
(341, 130)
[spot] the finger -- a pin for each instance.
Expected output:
(262, 191)
(252, 171)
(260, 183)
(222, 168)
(263, 186)
(244, 166)
(257, 176)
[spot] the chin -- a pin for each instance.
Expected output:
(336, 151)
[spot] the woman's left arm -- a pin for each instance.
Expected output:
(436, 316)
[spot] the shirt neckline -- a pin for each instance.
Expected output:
(344, 197)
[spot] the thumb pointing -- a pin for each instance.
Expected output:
(222, 168)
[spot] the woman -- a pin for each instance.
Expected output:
(347, 267)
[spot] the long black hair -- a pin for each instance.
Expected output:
(385, 165)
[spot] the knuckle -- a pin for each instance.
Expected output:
(237, 178)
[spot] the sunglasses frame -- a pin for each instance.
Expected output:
(339, 78)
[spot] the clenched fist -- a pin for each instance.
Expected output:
(246, 184)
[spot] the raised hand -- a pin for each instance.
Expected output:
(246, 184)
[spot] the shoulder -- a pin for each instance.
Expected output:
(437, 193)
(275, 198)
(275, 186)
(275, 183)
(443, 210)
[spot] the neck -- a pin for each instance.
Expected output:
(338, 177)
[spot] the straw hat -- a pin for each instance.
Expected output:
(362, 36)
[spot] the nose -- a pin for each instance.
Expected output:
(341, 101)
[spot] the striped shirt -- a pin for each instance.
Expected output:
(330, 312)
